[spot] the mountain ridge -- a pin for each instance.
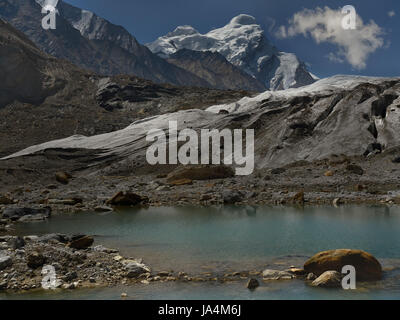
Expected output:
(243, 43)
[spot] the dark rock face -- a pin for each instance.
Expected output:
(216, 70)
(28, 75)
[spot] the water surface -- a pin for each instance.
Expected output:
(225, 239)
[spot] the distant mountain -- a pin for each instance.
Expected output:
(215, 69)
(243, 43)
(92, 43)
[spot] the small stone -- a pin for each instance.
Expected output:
(311, 277)
(63, 177)
(124, 295)
(297, 271)
(5, 261)
(336, 202)
(118, 258)
(35, 260)
(329, 173)
(329, 279)
(299, 198)
(269, 274)
(6, 200)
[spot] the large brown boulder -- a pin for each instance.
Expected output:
(81, 242)
(127, 199)
(201, 172)
(367, 266)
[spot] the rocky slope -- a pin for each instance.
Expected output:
(342, 115)
(331, 142)
(44, 98)
(28, 74)
(215, 69)
(243, 43)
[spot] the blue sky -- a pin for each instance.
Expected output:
(149, 19)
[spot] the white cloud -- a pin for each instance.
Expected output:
(334, 58)
(391, 13)
(325, 25)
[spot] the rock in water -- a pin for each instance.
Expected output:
(367, 266)
(127, 199)
(232, 196)
(269, 274)
(329, 279)
(252, 284)
(299, 198)
(81, 242)
(17, 213)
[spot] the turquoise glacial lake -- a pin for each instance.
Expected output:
(226, 239)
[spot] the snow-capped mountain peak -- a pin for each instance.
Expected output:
(243, 43)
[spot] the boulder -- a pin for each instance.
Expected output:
(6, 200)
(17, 213)
(355, 169)
(54, 237)
(127, 199)
(298, 198)
(269, 274)
(5, 261)
(297, 271)
(252, 284)
(63, 177)
(134, 269)
(35, 260)
(311, 277)
(16, 243)
(367, 266)
(103, 209)
(201, 172)
(329, 279)
(81, 242)
(232, 196)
